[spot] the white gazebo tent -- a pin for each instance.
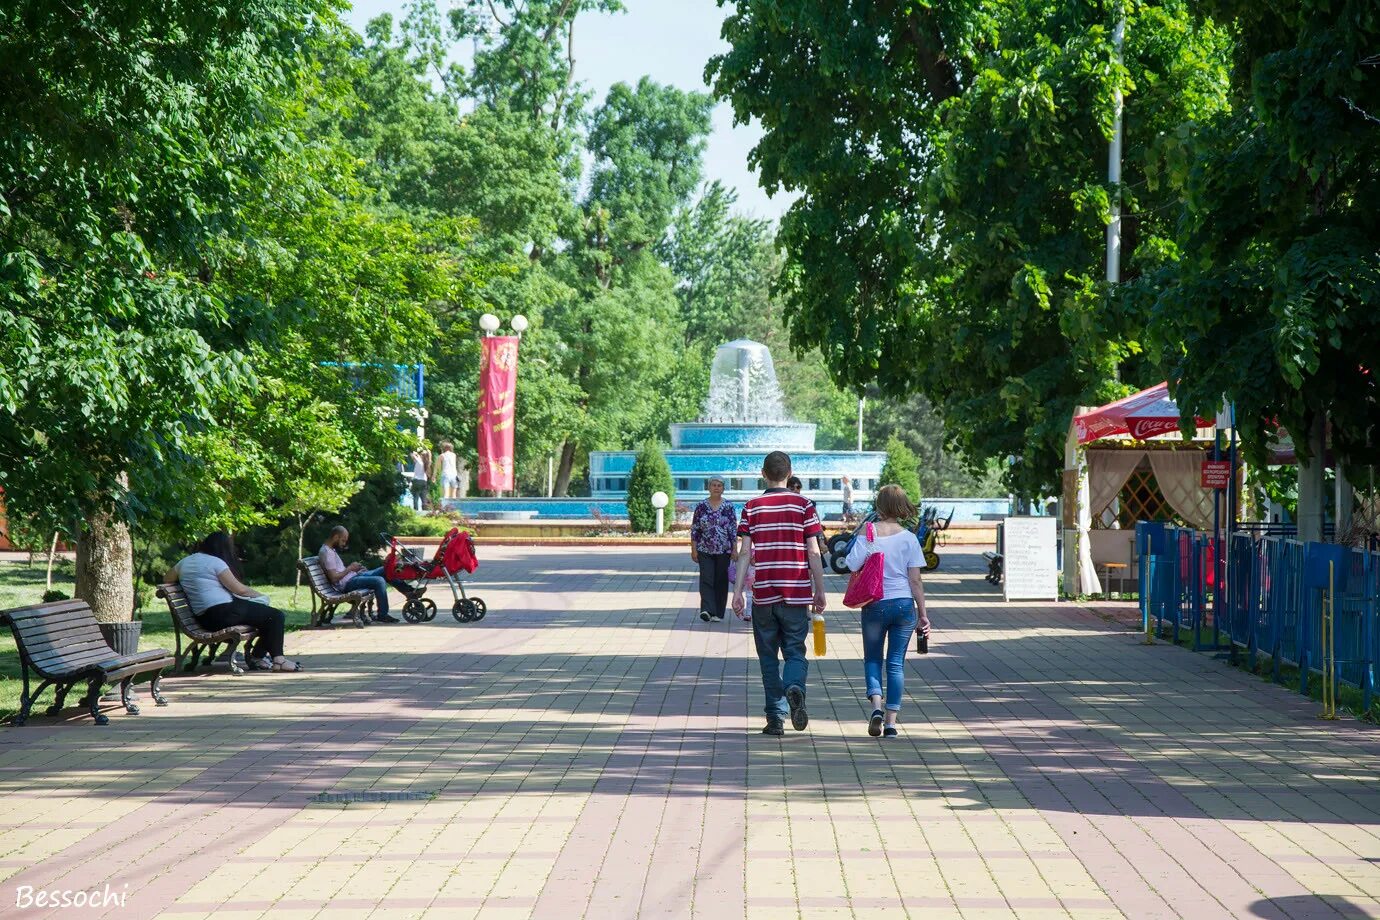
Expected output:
(1107, 446)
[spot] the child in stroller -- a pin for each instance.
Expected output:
(453, 556)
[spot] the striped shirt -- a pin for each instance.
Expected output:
(779, 522)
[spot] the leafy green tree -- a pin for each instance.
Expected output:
(525, 55)
(650, 474)
(1273, 299)
(129, 138)
(948, 237)
(623, 323)
(902, 469)
(724, 265)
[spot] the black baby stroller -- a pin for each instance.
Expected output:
(453, 556)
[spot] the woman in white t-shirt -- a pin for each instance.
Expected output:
(888, 624)
(450, 471)
(210, 577)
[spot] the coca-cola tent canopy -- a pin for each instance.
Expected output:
(1140, 417)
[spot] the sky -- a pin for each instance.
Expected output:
(668, 40)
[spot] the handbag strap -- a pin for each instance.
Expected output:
(871, 534)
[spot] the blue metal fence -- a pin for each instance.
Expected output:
(1272, 600)
(1176, 572)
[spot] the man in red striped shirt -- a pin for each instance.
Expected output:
(779, 531)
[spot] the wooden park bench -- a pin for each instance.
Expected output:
(199, 638)
(326, 597)
(61, 644)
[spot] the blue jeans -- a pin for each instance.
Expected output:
(781, 628)
(373, 580)
(889, 623)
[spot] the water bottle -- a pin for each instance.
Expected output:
(922, 641)
(818, 626)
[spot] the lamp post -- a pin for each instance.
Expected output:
(659, 502)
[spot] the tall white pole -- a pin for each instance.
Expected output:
(861, 400)
(550, 475)
(1114, 160)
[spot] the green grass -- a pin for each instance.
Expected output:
(22, 585)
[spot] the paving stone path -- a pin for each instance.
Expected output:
(591, 750)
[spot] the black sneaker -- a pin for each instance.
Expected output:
(889, 732)
(386, 618)
(774, 727)
(717, 619)
(704, 615)
(795, 698)
(874, 724)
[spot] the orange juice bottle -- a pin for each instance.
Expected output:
(818, 626)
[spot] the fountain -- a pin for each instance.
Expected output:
(744, 419)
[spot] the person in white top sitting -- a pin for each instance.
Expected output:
(355, 577)
(210, 577)
(887, 624)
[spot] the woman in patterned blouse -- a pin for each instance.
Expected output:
(712, 534)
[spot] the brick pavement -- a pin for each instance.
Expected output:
(590, 750)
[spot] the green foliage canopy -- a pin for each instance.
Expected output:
(902, 468)
(949, 160)
(1275, 300)
(123, 157)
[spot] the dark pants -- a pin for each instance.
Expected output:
(421, 489)
(780, 629)
(714, 583)
(244, 612)
(373, 580)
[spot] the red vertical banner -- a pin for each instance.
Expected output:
(497, 395)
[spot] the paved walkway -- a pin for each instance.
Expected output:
(590, 750)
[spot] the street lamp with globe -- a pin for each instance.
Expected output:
(659, 501)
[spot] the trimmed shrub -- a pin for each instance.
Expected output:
(413, 524)
(902, 468)
(650, 474)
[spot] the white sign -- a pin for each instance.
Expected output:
(1029, 560)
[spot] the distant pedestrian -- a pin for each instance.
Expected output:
(887, 624)
(449, 471)
(420, 481)
(713, 530)
(778, 530)
(796, 486)
(847, 499)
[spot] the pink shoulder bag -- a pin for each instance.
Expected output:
(865, 587)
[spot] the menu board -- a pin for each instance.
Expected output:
(1029, 559)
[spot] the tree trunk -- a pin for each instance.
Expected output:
(566, 466)
(301, 541)
(1311, 493)
(105, 568)
(52, 552)
(1344, 504)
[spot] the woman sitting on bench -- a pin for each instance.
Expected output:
(210, 577)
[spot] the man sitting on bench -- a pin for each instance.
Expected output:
(356, 576)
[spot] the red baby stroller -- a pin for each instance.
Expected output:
(453, 556)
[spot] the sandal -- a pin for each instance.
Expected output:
(263, 663)
(287, 664)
